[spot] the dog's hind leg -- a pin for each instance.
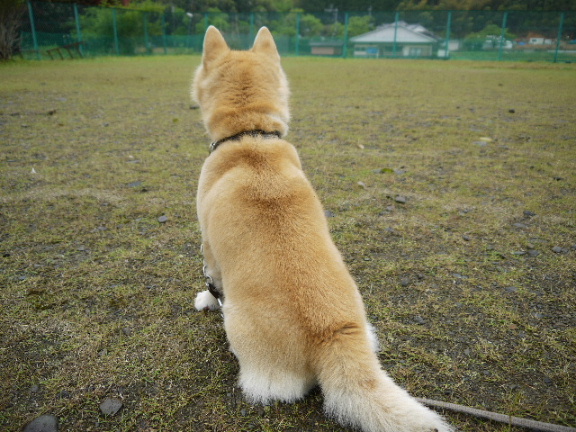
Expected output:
(267, 383)
(269, 370)
(208, 300)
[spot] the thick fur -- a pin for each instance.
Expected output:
(292, 312)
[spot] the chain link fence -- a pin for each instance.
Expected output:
(63, 30)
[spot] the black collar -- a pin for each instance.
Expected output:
(252, 133)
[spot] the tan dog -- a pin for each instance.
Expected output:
(292, 312)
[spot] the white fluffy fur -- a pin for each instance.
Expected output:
(373, 337)
(206, 301)
(387, 408)
(265, 386)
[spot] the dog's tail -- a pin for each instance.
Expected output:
(358, 393)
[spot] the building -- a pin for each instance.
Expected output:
(396, 40)
(331, 48)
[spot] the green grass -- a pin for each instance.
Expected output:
(97, 295)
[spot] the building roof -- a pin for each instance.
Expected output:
(327, 42)
(402, 32)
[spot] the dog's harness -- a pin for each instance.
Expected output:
(250, 133)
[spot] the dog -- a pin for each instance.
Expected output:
(293, 315)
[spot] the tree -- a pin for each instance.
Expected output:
(217, 18)
(358, 25)
(489, 37)
(11, 12)
(127, 22)
(310, 26)
(347, 5)
(488, 5)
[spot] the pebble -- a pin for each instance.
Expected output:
(558, 250)
(163, 219)
(44, 423)
(400, 199)
(520, 225)
(511, 289)
(64, 394)
(135, 184)
(404, 282)
(466, 237)
(529, 213)
(329, 213)
(110, 406)
(533, 252)
(419, 320)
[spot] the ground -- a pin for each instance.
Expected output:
(450, 188)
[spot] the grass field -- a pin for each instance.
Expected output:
(451, 191)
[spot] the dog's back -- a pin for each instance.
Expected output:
(292, 313)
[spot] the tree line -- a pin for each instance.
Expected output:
(181, 12)
(313, 6)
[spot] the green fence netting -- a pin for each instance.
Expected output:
(64, 30)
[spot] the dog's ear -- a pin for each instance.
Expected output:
(264, 43)
(214, 46)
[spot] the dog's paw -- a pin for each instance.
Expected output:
(206, 301)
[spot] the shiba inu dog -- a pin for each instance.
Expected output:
(293, 315)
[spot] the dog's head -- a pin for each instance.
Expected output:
(241, 90)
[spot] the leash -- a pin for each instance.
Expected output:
(210, 285)
(510, 420)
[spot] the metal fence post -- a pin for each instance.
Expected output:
(394, 46)
(298, 15)
(78, 29)
(115, 29)
(447, 42)
(345, 47)
(164, 32)
(559, 38)
(502, 35)
(146, 37)
(33, 28)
